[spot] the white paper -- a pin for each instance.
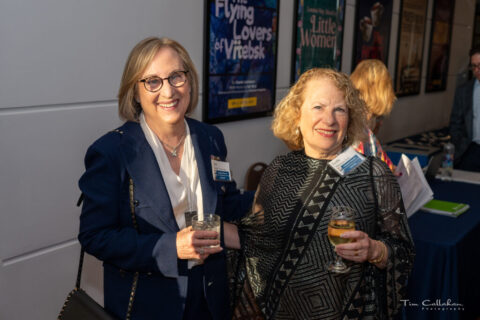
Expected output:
(415, 189)
(462, 176)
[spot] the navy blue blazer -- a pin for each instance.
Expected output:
(461, 119)
(107, 231)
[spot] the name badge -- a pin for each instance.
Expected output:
(221, 170)
(346, 161)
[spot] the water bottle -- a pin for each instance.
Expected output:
(447, 163)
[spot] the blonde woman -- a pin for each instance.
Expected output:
(281, 269)
(372, 79)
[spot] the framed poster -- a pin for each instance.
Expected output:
(476, 28)
(318, 35)
(373, 21)
(411, 36)
(439, 50)
(240, 59)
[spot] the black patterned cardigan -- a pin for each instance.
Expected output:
(280, 272)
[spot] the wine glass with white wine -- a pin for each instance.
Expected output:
(342, 220)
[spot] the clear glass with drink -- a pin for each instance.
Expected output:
(209, 222)
(342, 220)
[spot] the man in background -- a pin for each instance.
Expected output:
(465, 119)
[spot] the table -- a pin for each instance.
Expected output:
(447, 263)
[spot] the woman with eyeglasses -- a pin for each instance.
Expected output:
(372, 79)
(143, 180)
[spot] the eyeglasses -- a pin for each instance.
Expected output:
(176, 80)
(474, 66)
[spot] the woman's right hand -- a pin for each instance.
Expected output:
(193, 244)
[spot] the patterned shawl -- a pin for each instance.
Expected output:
(280, 272)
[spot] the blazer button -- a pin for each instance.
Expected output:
(209, 283)
(223, 188)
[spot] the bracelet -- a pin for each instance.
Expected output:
(382, 254)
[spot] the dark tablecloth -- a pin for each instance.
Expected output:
(447, 264)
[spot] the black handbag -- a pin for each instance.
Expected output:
(79, 305)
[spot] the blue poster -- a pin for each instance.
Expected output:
(241, 52)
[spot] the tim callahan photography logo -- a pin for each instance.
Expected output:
(434, 305)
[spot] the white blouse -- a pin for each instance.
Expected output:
(184, 190)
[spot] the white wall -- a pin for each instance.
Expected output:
(60, 66)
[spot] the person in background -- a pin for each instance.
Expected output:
(140, 181)
(372, 79)
(280, 270)
(465, 119)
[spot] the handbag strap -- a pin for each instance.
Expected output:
(135, 225)
(82, 252)
(136, 274)
(79, 272)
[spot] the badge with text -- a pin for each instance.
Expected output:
(221, 170)
(346, 161)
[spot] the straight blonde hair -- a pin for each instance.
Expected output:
(372, 79)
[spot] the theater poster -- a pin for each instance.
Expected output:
(411, 35)
(438, 55)
(318, 35)
(240, 59)
(373, 20)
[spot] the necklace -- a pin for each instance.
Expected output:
(173, 153)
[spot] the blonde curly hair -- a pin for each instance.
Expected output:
(287, 113)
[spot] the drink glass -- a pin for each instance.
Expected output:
(210, 222)
(342, 220)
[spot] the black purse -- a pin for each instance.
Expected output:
(79, 305)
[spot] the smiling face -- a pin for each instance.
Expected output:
(323, 119)
(167, 106)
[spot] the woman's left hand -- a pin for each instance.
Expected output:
(362, 249)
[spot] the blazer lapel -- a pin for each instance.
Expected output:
(147, 178)
(203, 153)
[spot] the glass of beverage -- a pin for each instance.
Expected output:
(342, 220)
(210, 222)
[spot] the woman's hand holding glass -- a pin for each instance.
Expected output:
(197, 244)
(361, 248)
